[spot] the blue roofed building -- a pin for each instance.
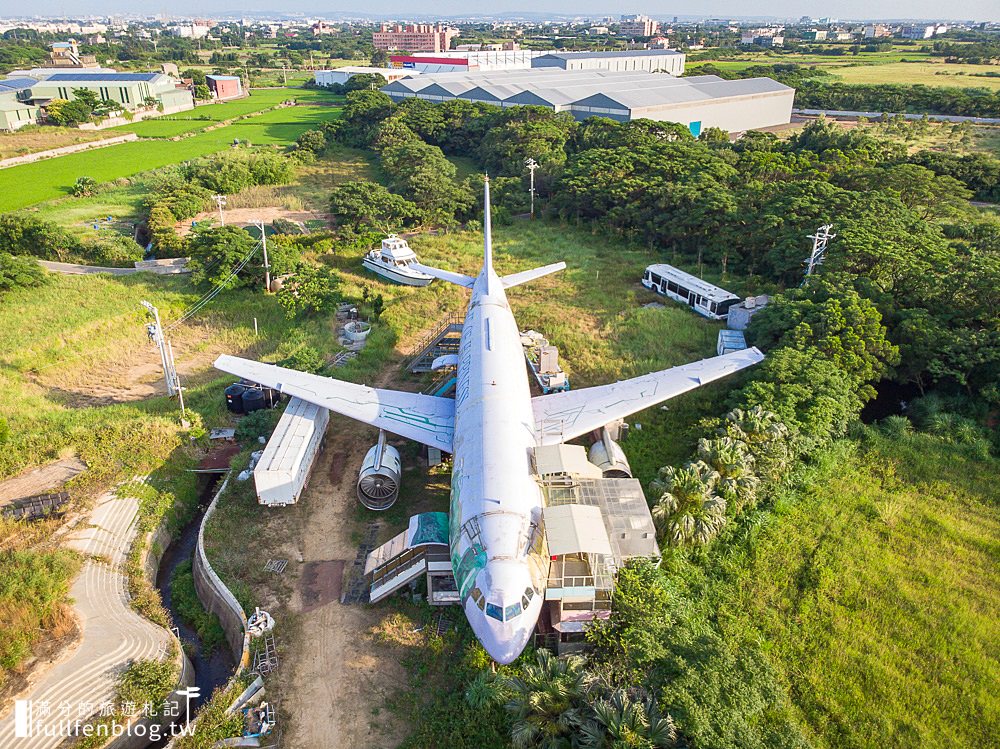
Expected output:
(129, 90)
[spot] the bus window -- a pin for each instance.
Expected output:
(671, 286)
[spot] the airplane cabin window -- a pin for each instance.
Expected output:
(495, 611)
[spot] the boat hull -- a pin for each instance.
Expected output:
(395, 276)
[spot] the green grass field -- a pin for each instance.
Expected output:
(927, 74)
(873, 592)
(896, 66)
(29, 184)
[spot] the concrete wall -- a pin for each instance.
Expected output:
(217, 598)
(30, 157)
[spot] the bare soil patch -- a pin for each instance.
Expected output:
(251, 216)
(321, 583)
(40, 480)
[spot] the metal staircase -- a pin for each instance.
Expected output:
(394, 565)
(444, 339)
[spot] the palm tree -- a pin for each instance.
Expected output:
(688, 509)
(730, 459)
(546, 703)
(766, 437)
(621, 722)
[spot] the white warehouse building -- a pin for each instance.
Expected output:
(344, 74)
(651, 60)
(698, 102)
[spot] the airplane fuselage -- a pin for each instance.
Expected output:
(496, 529)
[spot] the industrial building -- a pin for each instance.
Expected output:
(224, 87)
(15, 111)
(698, 102)
(344, 74)
(131, 90)
(463, 61)
(414, 37)
(629, 61)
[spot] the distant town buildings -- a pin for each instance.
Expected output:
(419, 37)
(922, 31)
(763, 37)
(632, 26)
(195, 30)
(876, 31)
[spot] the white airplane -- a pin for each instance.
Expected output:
(491, 429)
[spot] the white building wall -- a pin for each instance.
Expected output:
(732, 115)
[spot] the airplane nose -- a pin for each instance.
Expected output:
(504, 644)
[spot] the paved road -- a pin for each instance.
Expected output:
(876, 115)
(113, 634)
(74, 269)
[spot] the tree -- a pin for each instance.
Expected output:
(312, 140)
(369, 204)
(546, 701)
(687, 510)
(202, 92)
(63, 112)
(217, 253)
(623, 722)
(311, 290)
(24, 234)
(764, 437)
(380, 58)
(87, 97)
(732, 462)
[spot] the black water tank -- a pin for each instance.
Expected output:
(253, 400)
(234, 397)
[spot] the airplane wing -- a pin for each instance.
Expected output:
(563, 416)
(445, 275)
(424, 418)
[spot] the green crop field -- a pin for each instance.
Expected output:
(204, 116)
(28, 184)
(928, 74)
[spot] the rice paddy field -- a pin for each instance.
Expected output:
(28, 184)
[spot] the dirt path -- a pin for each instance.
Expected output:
(250, 216)
(336, 678)
(40, 480)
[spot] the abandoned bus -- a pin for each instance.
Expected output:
(701, 296)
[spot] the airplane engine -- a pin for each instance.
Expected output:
(608, 455)
(378, 481)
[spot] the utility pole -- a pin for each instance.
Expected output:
(221, 201)
(532, 166)
(267, 267)
(155, 332)
(818, 254)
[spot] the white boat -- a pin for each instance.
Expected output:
(393, 260)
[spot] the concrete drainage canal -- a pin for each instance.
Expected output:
(212, 660)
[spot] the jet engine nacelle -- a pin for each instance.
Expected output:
(378, 481)
(608, 455)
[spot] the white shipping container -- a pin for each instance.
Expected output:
(283, 470)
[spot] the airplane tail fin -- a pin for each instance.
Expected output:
(516, 279)
(487, 232)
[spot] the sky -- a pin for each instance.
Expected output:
(981, 10)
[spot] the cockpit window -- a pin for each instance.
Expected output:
(495, 611)
(511, 611)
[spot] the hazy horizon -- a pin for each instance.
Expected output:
(979, 10)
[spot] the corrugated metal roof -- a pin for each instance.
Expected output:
(92, 77)
(223, 77)
(560, 88)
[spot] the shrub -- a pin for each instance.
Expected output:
(258, 424)
(19, 273)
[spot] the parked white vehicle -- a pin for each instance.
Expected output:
(393, 260)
